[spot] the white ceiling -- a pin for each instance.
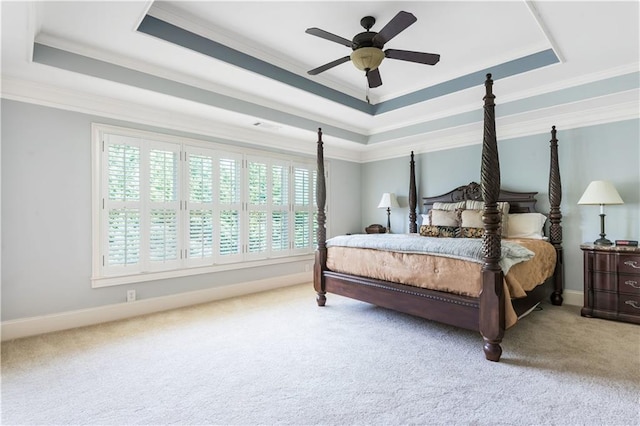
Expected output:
(592, 41)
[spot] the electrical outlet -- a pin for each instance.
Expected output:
(131, 295)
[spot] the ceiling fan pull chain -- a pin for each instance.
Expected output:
(366, 85)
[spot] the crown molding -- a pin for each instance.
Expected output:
(620, 106)
(101, 106)
(605, 109)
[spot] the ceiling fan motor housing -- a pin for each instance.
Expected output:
(365, 39)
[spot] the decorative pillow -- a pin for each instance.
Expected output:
(439, 231)
(471, 219)
(526, 225)
(443, 218)
(503, 208)
(450, 206)
(471, 232)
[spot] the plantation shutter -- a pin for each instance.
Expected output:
(162, 213)
(200, 207)
(280, 209)
(314, 209)
(257, 207)
(302, 208)
(141, 205)
(229, 180)
(121, 202)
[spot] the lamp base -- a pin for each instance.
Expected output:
(602, 242)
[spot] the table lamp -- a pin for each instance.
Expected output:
(601, 192)
(387, 201)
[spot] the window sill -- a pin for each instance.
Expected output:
(97, 282)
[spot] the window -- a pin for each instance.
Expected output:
(178, 205)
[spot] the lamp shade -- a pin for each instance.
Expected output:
(388, 200)
(600, 192)
(367, 58)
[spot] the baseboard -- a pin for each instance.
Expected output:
(573, 297)
(25, 327)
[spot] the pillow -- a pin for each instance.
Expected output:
(439, 231)
(449, 206)
(471, 232)
(526, 225)
(471, 219)
(503, 208)
(443, 218)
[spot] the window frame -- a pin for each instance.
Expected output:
(193, 266)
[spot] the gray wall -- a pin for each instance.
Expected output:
(46, 216)
(604, 152)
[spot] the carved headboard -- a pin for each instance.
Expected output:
(519, 202)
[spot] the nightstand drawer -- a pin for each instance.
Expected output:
(629, 304)
(602, 262)
(601, 281)
(616, 303)
(629, 284)
(629, 265)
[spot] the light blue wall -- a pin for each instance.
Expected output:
(46, 196)
(46, 217)
(604, 152)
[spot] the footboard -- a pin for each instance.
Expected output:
(459, 311)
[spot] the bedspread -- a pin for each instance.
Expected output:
(457, 248)
(445, 274)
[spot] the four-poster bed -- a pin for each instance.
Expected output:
(434, 293)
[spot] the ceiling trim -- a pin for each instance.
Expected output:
(142, 115)
(173, 34)
(621, 106)
(569, 95)
(506, 69)
(181, 37)
(93, 67)
(614, 107)
(74, 62)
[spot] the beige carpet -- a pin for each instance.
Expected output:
(276, 358)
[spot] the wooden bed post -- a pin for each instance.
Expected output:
(321, 252)
(555, 217)
(491, 316)
(413, 197)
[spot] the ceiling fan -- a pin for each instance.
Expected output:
(367, 47)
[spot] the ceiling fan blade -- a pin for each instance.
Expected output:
(398, 24)
(406, 55)
(329, 65)
(328, 36)
(374, 79)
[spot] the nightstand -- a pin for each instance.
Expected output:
(612, 282)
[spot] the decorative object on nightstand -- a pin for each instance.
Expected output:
(375, 229)
(388, 201)
(627, 243)
(601, 192)
(611, 282)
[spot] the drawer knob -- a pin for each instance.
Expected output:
(632, 263)
(633, 303)
(633, 284)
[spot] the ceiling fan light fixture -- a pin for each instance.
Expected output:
(367, 58)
